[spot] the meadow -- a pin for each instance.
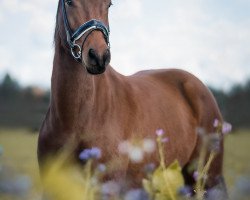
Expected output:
(18, 159)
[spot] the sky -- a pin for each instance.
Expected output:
(209, 38)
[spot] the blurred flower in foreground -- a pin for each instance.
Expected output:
(136, 150)
(111, 189)
(159, 132)
(63, 184)
(165, 181)
(196, 175)
(211, 142)
(137, 194)
(148, 145)
(216, 123)
(149, 168)
(63, 180)
(224, 127)
(93, 153)
(13, 184)
(185, 191)
(102, 168)
(18, 186)
(136, 154)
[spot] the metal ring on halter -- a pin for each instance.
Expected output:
(76, 55)
(73, 36)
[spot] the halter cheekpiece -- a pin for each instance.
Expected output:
(87, 27)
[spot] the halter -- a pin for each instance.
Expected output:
(89, 26)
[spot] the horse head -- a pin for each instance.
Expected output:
(86, 30)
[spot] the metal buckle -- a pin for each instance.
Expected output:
(76, 54)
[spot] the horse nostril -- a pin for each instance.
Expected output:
(93, 56)
(106, 57)
(99, 61)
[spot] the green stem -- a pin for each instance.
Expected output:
(88, 177)
(161, 153)
(163, 166)
(204, 173)
(199, 191)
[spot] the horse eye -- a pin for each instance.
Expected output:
(69, 2)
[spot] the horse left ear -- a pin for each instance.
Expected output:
(110, 4)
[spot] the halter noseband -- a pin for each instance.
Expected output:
(89, 26)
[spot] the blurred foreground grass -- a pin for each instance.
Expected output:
(237, 157)
(19, 156)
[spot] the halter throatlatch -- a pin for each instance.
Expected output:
(89, 26)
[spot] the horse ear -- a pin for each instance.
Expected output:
(110, 4)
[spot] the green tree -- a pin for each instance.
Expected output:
(9, 88)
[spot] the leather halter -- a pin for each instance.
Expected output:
(87, 27)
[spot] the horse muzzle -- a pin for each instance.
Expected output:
(96, 62)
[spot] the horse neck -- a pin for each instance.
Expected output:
(75, 93)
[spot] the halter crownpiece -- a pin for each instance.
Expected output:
(87, 27)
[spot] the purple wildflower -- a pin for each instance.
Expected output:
(149, 168)
(186, 191)
(85, 155)
(136, 194)
(93, 153)
(102, 168)
(110, 188)
(159, 132)
(226, 128)
(196, 175)
(216, 123)
(165, 140)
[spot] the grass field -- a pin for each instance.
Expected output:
(19, 158)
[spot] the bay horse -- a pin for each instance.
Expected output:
(97, 106)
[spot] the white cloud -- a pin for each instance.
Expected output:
(26, 40)
(188, 37)
(192, 35)
(128, 9)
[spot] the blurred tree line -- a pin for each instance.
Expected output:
(21, 107)
(235, 104)
(26, 107)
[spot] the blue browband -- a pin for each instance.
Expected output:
(88, 27)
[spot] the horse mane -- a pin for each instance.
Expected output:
(56, 33)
